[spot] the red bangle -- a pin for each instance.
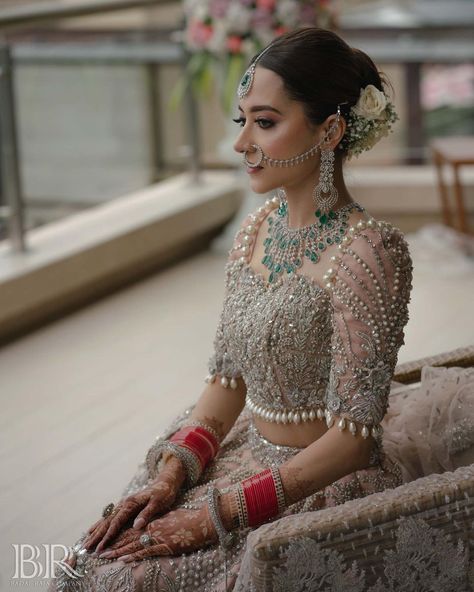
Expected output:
(198, 440)
(260, 497)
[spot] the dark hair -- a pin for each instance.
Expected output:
(321, 70)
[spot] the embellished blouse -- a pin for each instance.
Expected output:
(308, 352)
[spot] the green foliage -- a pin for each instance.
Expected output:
(202, 69)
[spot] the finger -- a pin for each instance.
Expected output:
(161, 498)
(93, 534)
(95, 525)
(125, 549)
(96, 536)
(152, 551)
(114, 528)
(154, 506)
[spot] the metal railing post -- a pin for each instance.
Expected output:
(9, 162)
(193, 126)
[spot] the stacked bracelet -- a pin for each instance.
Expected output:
(197, 422)
(225, 538)
(260, 498)
(199, 441)
(194, 445)
(190, 461)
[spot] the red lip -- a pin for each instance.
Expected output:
(251, 171)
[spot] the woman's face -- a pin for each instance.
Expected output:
(280, 128)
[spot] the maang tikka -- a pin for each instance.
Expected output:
(247, 79)
(325, 193)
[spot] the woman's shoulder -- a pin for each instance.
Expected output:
(248, 229)
(378, 237)
(373, 251)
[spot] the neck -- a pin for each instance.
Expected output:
(301, 205)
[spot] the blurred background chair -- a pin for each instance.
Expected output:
(454, 152)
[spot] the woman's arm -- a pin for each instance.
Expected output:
(323, 462)
(219, 407)
(320, 464)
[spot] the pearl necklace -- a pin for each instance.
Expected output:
(286, 248)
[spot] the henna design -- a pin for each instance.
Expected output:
(156, 498)
(216, 424)
(294, 486)
(177, 532)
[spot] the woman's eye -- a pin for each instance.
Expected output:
(267, 123)
(263, 123)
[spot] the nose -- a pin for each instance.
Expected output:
(239, 145)
(242, 143)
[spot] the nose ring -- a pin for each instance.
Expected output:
(260, 157)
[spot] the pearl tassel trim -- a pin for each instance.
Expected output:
(287, 416)
(225, 381)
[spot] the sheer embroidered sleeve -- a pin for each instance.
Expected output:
(370, 285)
(222, 365)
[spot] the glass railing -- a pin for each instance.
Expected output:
(84, 112)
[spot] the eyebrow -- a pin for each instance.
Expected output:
(262, 108)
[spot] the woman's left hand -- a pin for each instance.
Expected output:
(178, 531)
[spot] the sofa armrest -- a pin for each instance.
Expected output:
(359, 541)
(409, 372)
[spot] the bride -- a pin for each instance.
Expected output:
(313, 317)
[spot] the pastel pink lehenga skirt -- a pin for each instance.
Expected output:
(429, 428)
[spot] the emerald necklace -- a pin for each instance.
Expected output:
(286, 248)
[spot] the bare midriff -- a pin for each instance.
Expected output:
(301, 435)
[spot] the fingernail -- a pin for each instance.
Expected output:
(126, 558)
(139, 523)
(106, 554)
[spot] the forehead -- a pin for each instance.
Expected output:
(267, 89)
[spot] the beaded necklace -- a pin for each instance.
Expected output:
(286, 248)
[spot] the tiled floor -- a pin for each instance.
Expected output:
(82, 399)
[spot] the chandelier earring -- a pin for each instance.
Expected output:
(325, 193)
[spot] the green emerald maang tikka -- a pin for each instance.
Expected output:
(246, 81)
(285, 248)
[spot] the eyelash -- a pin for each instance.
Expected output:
(241, 120)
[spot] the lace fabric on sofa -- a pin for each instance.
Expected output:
(430, 428)
(417, 537)
(424, 558)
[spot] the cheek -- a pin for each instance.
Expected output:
(286, 141)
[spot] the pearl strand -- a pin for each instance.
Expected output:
(248, 232)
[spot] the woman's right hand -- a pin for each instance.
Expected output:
(144, 505)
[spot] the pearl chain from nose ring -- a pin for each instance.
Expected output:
(299, 158)
(275, 162)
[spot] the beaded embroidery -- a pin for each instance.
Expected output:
(285, 247)
(309, 353)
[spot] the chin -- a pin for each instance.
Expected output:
(261, 188)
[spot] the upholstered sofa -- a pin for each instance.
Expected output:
(417, 537)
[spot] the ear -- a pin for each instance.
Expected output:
(333, 130)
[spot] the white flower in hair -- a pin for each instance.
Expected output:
(368, 121)
(371, 104)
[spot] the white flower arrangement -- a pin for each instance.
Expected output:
(369, 120)
(222, 35)
(247, 25)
